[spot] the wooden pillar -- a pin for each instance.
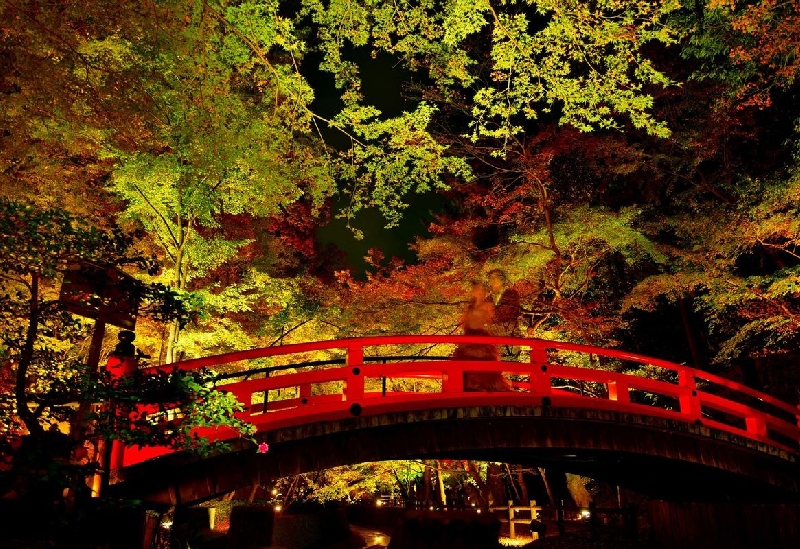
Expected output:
(539, 379)
(535, 520)
(689, 403)
(354, 388)
(511, 531)
(79, 430)
(453, 378)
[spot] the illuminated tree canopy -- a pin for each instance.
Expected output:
(632, 166)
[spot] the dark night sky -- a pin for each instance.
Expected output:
(392, 242)
(382, 85)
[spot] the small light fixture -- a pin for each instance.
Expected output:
(278, 508)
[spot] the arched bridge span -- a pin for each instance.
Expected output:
(673, 431)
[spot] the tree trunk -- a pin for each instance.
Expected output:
(252, 496)
(288, 497)
(497, 489)
(28, 417)
(684, 304)
(525, 498)
(440, 481)
(179, 283)
(483, 487)
(403, 489)
(511, 480)
(426, 481)
(547, 487)
(172, 340)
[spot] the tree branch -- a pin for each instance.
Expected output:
(26, 357)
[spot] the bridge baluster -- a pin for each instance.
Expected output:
(538, 355)
(618, 391)
(756, 425)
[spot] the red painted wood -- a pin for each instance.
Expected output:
(685, 390)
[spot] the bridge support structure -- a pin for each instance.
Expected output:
(648, 455)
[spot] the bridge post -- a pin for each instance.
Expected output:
(354, 386)
(538, 354)
(688, 401)
(453, 379)
(113, 451)
(539, 380)
(538, 529)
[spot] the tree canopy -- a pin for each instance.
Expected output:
(632, 167)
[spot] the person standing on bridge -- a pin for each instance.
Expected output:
(476, 320)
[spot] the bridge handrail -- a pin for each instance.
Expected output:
(692, 403)
(435, 369)
(686, 374)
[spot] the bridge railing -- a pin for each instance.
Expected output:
(358, 379)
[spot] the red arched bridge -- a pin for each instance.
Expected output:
(660, 427)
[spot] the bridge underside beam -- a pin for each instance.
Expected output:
(665, 459)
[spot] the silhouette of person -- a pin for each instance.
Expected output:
(124, 359)
(125, 347)
(476, 320)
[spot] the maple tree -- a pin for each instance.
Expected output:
(752, 46)
(219, 98)
(631, 166)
